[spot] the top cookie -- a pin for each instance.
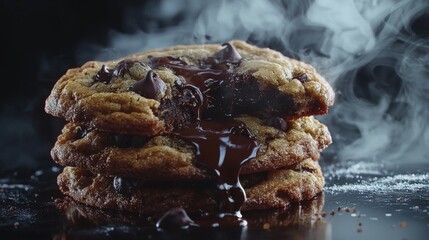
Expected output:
(156, 91)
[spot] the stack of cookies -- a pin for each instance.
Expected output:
(207, 128)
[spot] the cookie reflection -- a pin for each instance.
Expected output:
(299, 221)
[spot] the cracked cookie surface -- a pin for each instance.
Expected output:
(114, 97)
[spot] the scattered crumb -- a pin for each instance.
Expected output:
(359, 230)
(360, 224)
(11, 209)
(332, 213)
(403, 224)
(16, 225)
(339, 209)
(323, 214)
(398, 199)
(347, 209)
(266, 226)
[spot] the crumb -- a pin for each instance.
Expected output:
(403, 224)
(360, 224)
(354, 210)
(359, 230)
(266, 226)
(347, 209)
(11, 209)
(16, 225)
(323, 214)
(332, 213)
(339, 209)
(398, 199)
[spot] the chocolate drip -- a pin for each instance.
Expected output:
(222, 144)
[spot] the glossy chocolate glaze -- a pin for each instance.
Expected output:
(222, 144)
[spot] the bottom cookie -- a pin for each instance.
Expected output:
(274, 189)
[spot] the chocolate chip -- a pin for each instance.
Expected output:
(307, 169)
(276, 122)
(126, 66)
(104, 75)
(123, 185)
(302, 77)
(150, 87)
(81, 132)
(229, 53)
(174, 219)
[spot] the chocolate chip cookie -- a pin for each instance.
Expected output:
(274, 189)
(157, 91)
(168, 157)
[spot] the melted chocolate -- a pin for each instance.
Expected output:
(222, 144)
(223, 148)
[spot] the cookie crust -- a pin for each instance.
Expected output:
(165, 158)
(278, 189)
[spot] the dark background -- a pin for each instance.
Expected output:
(40, 39)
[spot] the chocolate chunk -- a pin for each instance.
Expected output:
(174, 219)
(150, 87)
(104, 75)
(229, 53)
(276, 122)
(301, 77)
(126, 66)
(123, 186)
(81, 132)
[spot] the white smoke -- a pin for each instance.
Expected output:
(366, 49)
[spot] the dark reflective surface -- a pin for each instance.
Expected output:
(360, 201)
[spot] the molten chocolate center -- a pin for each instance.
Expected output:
(222, 144)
